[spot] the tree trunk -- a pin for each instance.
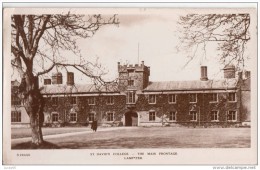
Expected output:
(34, 103)
(36, 129)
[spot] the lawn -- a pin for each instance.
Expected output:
(26, 132)
(156, 137)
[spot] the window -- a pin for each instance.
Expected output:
(55, 117)
(54, 100)
(213, 97)
(152, 116)
(232, 116)
(172, 98)
(232, 97)
(73, 100)
(130, 82)
(193, 115)
(110, 100)
(172, 116)
(193, 98)
(91, 117)
(15, 116)
(130, 97)
(15, 100)
(214, 115)
(73, 117)
(110, 116)
(91, 101)
(152, 99)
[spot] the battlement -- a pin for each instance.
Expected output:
(133, 68)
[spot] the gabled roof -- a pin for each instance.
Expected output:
(77, 88)
(192, 85)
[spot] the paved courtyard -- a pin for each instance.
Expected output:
(139, 137)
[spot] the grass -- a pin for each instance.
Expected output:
(157, 137)
(26, 132)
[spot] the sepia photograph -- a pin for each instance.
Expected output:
(145, 85)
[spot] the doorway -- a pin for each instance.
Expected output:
(131, 118)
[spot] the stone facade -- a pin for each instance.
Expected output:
(138, 102)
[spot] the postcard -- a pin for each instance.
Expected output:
(164, 86)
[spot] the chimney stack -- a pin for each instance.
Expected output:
(70, 78)
(204, 74)
(229, 71)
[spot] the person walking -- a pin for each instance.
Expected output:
(94, 125)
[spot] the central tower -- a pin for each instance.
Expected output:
(133, 77)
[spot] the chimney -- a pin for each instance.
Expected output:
(204, 74)
(247, 74)
(47, 81)
(70, 78)
(229, 71)
(240, 75)
(57, 78)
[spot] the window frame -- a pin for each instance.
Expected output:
(232, 116)
(175, 116)
(196, 100)
(214, 120)
(170, 96)
(132, 97)
(154, 98)
(109, 99)
(56, 101)
(91, 113)
(76, 117)
(130, 82)
(152, 116)
(213, 101)
(90, 99)
(72, 100)
(15, 101)
(54, 113)
(108, 117)
(192, 114)
(235, 95)
(16, 118)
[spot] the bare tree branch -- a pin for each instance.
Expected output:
(229, 31)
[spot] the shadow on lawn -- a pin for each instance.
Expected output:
(29, 145)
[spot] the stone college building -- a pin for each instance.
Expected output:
(136, 101)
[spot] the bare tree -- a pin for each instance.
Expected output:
(38, 42)
(230, 32)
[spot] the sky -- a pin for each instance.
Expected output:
(149, 37)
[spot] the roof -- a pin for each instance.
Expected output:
(15, 83)
(77, 88)
(192, 85)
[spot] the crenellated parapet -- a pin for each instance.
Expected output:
(133, 68)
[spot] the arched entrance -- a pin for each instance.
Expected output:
(131, 118)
